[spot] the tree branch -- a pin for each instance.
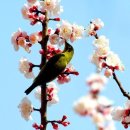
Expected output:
(120, 86)
(43, 61)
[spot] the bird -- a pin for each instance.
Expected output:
(54, 66)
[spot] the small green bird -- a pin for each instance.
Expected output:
(53, 67)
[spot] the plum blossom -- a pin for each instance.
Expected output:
(122, 114)
(85, 105)
(94, 26)
(96, 82)
(102, 52)
(95, 59)
(31, 12)
(98, 23)
(52, 6)
(54, 39)
(52, 91)
(65, 30)
(26, 108)
(25, 68)
(58, 9)
(114, 61)
(34, 38)
(77, 32)
(70, 32)
(101, 42)
(22, 39)
(117, 113)
(19, 39)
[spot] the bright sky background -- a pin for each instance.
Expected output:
(116, 16)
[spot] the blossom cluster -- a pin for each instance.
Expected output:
(26, 107)
(22, 39)
(102, 56)
(122, 114)
(94, 26)
(97, 107)
(34, 10)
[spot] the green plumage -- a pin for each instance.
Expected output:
(53, 67)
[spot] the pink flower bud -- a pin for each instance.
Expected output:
(55, 126)
(41, 52)
(35, 125)
(64, 117)
(57, 19)
(126, 126)
(41, 126)
(57, 31)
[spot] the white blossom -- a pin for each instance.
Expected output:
(85, 105)
(24, 67)
(26, 108)
(114, 60)
(25, 11)
(95, 59)
(103, 51)
(65, 30)
(90, 30)
(98, 23)
(54, 39)
(14, 39)
(52, 6)
(58, 9)
(117, 113)
(101, 42)
(77, 32)
(104, 101)
(94, 26)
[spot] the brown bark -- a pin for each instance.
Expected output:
(43, 43)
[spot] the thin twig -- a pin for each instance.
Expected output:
(120, 86)
(53, 121)
(35, 109)
(96, 36)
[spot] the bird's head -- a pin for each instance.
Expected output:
(68, 47)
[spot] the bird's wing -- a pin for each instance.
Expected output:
(52, 68)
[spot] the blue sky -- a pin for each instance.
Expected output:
(116, 16)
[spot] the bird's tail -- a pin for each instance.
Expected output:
(27, 91)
